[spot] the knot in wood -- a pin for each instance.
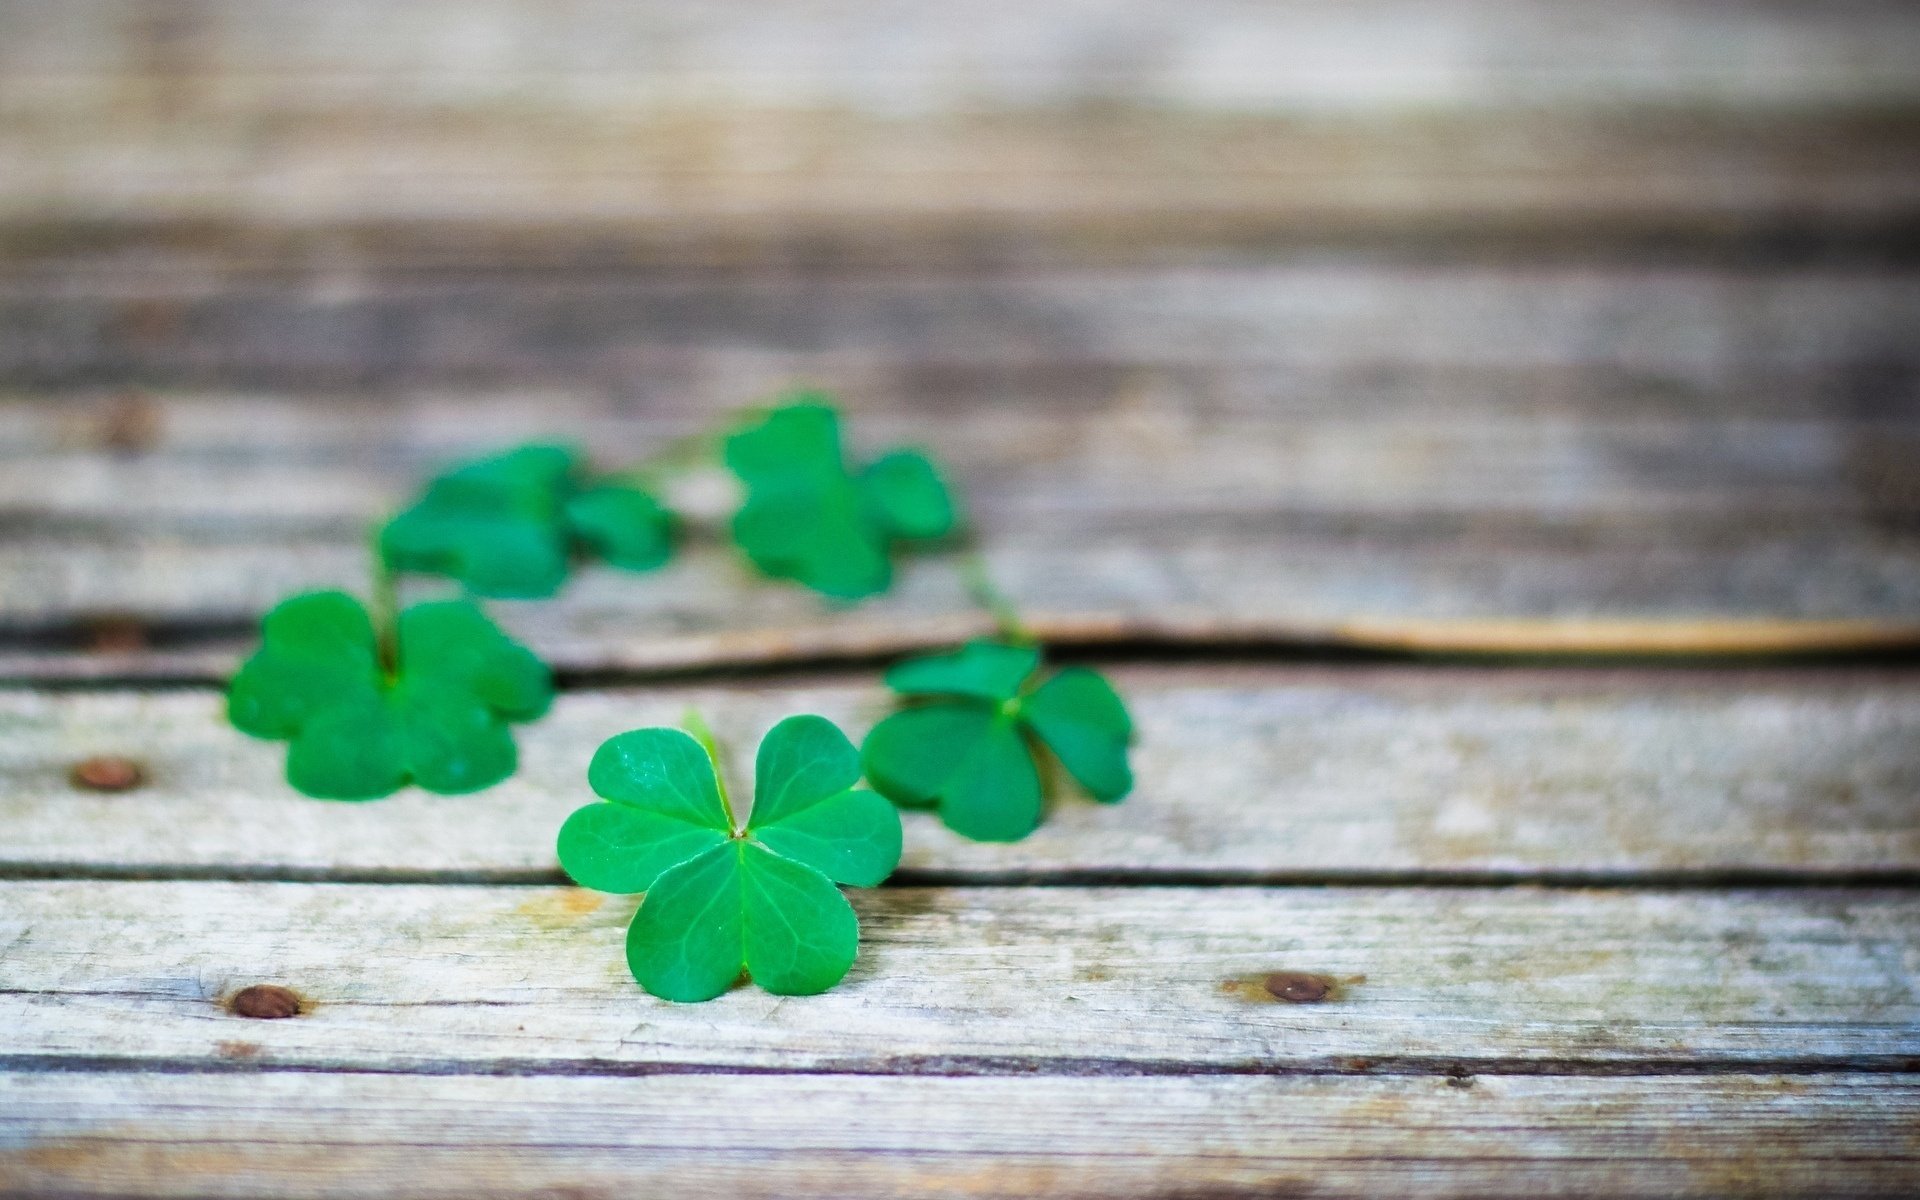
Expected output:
(107, 773)
(1298, 987)
(265, 1002)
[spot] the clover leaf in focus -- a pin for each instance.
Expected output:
(510, 525)
(811, 518)
(966, 744)
(725, 897)
(360, 727)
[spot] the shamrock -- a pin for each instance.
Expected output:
(808, 518)
(508, 525)
(968, 748)
(722, 897)
(361, 727)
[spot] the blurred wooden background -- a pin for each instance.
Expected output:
(1262, 338)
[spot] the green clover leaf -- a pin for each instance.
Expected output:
(358, 731)
(808, 518)
(509, 525)
(723, 898)
(966, 748)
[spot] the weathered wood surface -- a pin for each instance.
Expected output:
(1482, 324)
(460, 977)
(1294, 451)
(781, 1137)
(1244, 774)
(767, 123)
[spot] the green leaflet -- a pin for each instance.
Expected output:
(966, 746)
(809, 518)
(357, 732)
(509, 525)
(725, 897)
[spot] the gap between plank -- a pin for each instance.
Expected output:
(1659, 879)
(1462, 1069)
(1791, 645)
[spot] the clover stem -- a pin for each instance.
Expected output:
(386, 610)
(972, 566)
(696, 725)
(676, 456)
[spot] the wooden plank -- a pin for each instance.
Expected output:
(283, 466)
(1701, 337)
(905, 59)
(458, 978)
(1247, 455)
(1243, 774)
(1608, 592)
(1085, 185)
(783, 1137)
(740, 120)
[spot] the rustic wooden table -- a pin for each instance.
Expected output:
(1481, 437)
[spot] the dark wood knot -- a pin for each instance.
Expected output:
(1298, 987)
(265, 1002)
(107, 773)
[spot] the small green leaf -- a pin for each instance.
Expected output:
(508, 526)
(801, 934)
(802, 761)
(356, 751)
(454, 742)
(807, 518)
(987, 670)
(318, 651)
(357, 732)
(966, 759)
(817, 537)
(494, 524)
(969, 751)
(688, 941)
(454, 645)
(623, 525)
(1081, 719)
(619, 848)
(664, 770)
(719, 900)
(906, 493)
(806, 807)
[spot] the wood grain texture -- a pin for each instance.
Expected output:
(466, 978)
(340, 1136)
(1289, 451)
(783, 122)
(1243, 774)
(903, 59)
(1267, 335)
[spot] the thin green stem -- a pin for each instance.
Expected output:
(695, 724)
(386, 609)
(675, 457)
(980, 586)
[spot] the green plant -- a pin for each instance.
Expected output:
(510, 525)
(425, 697)
(727, 896)
(371, 703)
(966, 745)
(809, 518)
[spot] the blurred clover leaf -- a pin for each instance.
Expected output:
(725, 898)
(809, 518)
(510, 525)
(361, 726)
(966, 746)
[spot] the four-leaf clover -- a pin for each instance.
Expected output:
(509, 525)
(967, 747)
(809, 519)
(360, 727)
(725, 897)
